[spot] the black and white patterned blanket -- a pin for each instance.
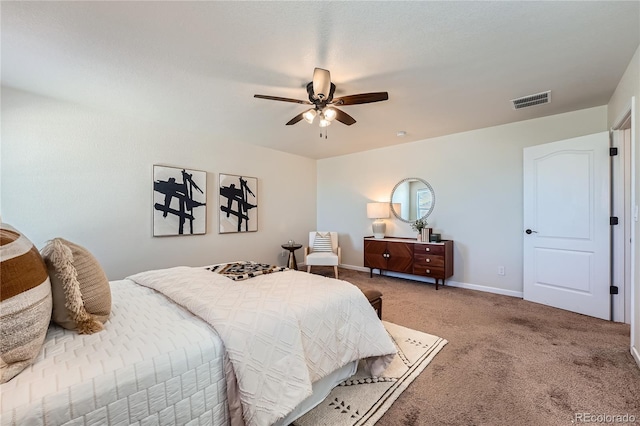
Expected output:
(239, 271)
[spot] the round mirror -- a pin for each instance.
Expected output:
(412, 199)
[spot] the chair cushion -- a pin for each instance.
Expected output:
(25, 302)
(322, 258)
(81, 291)
(322, 242)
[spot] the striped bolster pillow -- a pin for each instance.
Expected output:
(322, 242)
(25, 302)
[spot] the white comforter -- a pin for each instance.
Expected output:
(282, 331)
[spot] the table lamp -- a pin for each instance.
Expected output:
(378, 211)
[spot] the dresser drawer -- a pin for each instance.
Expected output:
(428, 248)
(428, 260)
(429, 271)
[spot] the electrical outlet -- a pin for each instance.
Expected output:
(500, 270)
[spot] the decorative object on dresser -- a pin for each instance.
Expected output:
(378, 211)
(179, 201)
(238, 204)
(425, 234)
(408, 256)
(419, 225)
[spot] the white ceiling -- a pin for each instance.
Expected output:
(448, 66)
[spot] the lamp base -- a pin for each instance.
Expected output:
(379, 228)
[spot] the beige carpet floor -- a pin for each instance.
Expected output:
(508, 361)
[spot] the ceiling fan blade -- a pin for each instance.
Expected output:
(295, 119)
(362, 98)
(344, 118)
(321, 83)
(277, 98)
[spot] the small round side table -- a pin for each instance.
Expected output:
(291, 263)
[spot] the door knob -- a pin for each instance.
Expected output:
(529, 231)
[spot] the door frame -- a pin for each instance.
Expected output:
(622, 184)
(630, 110)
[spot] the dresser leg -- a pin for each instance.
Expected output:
(437, 283)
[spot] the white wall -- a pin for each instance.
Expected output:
(84, 175)
(628, 87)
(477, 179)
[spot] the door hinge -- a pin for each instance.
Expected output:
(613, 289)
(613, 220)
(613, 151)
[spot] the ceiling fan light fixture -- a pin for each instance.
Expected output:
(309, 115)
(329, 113)
(320, 92)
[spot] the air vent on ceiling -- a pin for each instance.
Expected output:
(531, 100)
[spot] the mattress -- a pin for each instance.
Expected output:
(154, 364)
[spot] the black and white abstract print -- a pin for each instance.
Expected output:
(179, 201)
(238, 204)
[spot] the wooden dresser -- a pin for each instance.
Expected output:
(408, 256)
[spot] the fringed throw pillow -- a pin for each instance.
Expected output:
(25, 302)
(322, 242)
(81, 291)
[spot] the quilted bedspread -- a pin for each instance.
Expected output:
(281, 331)
(155, 363)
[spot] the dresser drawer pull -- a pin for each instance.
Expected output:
(428, 260)
(428, 249)
(428, 271)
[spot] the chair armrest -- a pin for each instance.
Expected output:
(339, 256)
(306, 252)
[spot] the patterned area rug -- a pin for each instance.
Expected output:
(361, 400)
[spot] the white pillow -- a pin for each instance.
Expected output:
(322, 242)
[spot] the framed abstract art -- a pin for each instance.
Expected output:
(238, 199)
(179, 201)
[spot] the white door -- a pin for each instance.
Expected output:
(566, 223)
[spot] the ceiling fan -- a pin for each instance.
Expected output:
(321, 91)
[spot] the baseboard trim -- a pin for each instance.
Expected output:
(636, 355)
(449, 283)
(487, 289)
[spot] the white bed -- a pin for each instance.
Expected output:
(155, 363)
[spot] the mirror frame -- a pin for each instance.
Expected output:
(411, 179)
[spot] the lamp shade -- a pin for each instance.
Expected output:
(309, 115)
(377, 210)
(329, 113)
